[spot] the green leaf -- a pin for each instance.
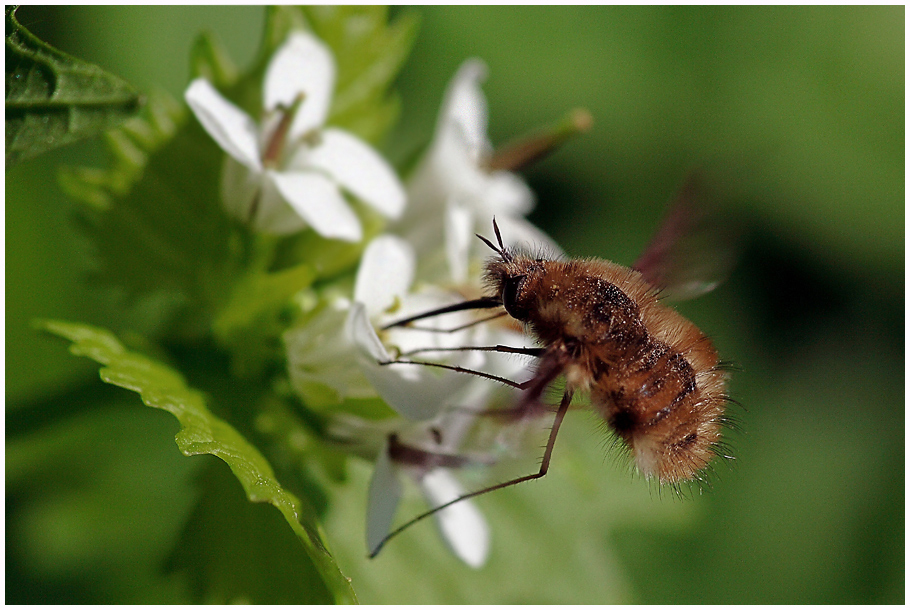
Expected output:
(53, 99)
(251, 323)
(154, 216)
(226, 532)
(201, 432)
(130, 146)
(210, 60)
(370, 52)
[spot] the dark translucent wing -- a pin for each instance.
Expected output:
(693, 251)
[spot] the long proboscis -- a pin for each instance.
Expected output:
(481, 303)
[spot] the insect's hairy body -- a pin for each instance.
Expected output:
(651, 374)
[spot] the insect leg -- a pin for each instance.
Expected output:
(461, 369)
(505, 349)
(544, 467)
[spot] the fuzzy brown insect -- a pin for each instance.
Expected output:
(651, 374)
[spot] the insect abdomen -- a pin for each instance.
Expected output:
(668, 413)
(652, 373)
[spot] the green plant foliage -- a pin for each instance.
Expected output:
(53, 99)
(794, 115)
(237, 552)
(256, 315)
(209, 59)
(154, 217)
(370, 52)
(162, 387)
(113, 497)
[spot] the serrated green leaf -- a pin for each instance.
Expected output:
(202, 432)
(225, 532)
(130, 147)
(53, 99)
(155, 219)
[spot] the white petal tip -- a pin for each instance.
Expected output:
(462, 525)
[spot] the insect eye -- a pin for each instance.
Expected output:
(510, 290)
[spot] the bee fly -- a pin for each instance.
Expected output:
(651, 374)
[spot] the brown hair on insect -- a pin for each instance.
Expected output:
(652, 376)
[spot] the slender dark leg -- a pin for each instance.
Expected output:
(544, 467)
(505, 349)
(461, 369)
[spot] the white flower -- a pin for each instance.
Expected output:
(438, 408)
(289, 172)
(420, 394)
(462, 525)
(337, 345)
(383, 284)
(453, 193)
(320, 354)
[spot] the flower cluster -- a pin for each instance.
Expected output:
(290, 171)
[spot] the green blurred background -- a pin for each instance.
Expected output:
(796, 115)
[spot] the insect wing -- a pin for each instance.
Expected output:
(693, 251)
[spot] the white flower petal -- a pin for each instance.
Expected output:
(318, 201)
(230, 127)
(358, 169)
(507, 193)
(459, 233)
(466, 105)
(462, 525)
(383, 499)
(385, 274)
(362, 334)
(304, 65)
(274, 214)
(320, 352)
(415, 391)
(240, 186)
(457, 161)
(252, 197)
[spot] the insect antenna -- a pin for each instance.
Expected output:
(498, 236)
(544, 466)
(501, 250)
